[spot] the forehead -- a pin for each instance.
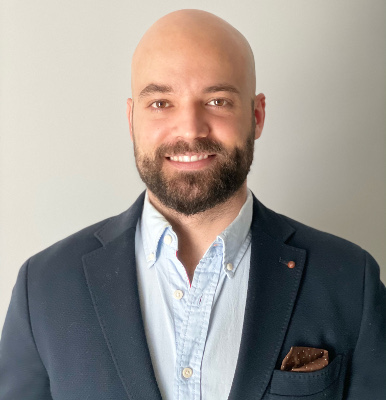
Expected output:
(188, 65)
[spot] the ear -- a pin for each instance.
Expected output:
(259, 111)
(129, 113)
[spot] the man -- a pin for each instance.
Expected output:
(197, 290)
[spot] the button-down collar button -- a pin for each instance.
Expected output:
(178, 294)
(291, 264)
(151, 257)
(187, 372)
(168, 239)
(229, 267)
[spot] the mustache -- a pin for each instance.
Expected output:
(201, 145)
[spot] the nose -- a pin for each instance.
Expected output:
(190, 122)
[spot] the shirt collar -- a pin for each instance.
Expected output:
(237, 237)
(234, 239)
(153, 226)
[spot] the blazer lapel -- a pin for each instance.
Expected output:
(111, 277)
(272, 290)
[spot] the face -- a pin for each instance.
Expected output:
(193, 125)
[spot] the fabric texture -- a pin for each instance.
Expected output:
(74, 328)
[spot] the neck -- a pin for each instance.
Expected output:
(197, 232)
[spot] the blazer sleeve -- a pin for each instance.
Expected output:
(367, 375)
(22, 373)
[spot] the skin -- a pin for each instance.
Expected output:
(193, 76)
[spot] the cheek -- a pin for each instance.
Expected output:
(230, 132)
(149, 134)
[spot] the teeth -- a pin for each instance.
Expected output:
(189, 158)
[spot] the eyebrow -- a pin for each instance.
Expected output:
(154, 88)
(221, 88)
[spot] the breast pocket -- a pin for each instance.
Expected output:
(326, 383)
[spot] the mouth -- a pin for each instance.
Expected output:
(191, 160)
(188, 158)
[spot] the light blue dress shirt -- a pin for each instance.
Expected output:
(193, 329)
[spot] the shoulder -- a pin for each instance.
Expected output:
(322, 243)
(328, 257)
(66, 254)
(64, 259)
(318, 244)
(337, 263)
(69, 251)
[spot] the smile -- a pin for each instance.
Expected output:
(189, 159)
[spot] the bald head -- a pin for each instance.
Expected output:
(195, 36)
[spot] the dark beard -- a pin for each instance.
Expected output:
(192, 192)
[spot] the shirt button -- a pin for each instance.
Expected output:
(187, 372)
(168, 239)
(178, 294)
(229, 267)
(150, 257)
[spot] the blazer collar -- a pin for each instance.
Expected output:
(272, 289)
(117, 225)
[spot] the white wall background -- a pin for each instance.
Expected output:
(66, 157)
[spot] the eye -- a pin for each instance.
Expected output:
(160, 104)
(218, 102)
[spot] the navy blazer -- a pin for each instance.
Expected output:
(74, 328)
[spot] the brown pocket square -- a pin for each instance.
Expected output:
(304, 359)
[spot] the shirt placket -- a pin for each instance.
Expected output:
(194, 322)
